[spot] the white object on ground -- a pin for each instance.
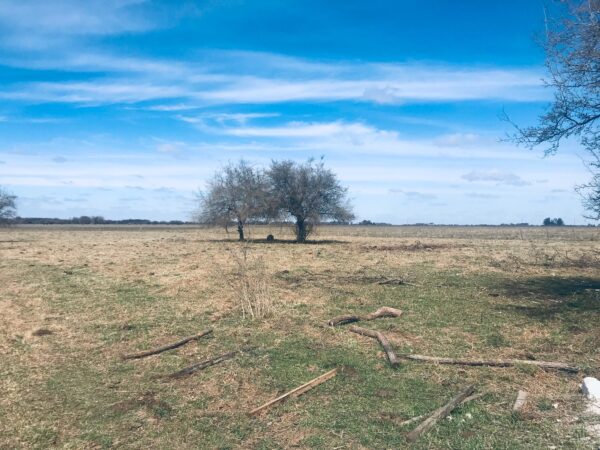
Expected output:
(591, 388)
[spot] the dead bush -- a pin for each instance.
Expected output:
(251, 286)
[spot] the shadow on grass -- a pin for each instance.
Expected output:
(548, 297)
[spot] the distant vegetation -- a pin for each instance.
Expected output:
(307, 193)
(548, 222)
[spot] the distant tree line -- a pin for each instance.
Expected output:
(92, 220)
(306, 193)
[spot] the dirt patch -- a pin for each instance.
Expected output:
(42, 332)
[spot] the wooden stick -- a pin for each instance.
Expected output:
(493, 362)
(466, 400)
(520, 401)
(384, 311)
(398, 281)
(342, 320)
(438, 414)
(382, 340)
(203, 365)
(297, 391)
(167, 347)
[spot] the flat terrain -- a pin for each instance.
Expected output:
(74, 299)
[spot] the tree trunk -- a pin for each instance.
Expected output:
(301, 231)
(240, 228)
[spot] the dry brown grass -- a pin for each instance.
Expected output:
(100, 292)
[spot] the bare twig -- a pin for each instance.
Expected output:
(203, 365)
(398, 281)
(167, 347)
(382, 340)
(296, 392)
(438, 414)
(492, 362)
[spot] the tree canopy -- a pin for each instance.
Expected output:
(8, 207)
(237, 193)
(572, 46)
(309, 193)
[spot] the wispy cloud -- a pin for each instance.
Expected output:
(494, 176)
(270, 79)
(413, 195)
(38, 24)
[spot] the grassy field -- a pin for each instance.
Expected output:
(73, 300)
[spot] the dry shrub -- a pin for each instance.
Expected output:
(252, 288)
(554, 258)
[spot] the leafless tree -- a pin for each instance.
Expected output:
(8, 207)
(572, 46)
(308, 192)
(237, 193)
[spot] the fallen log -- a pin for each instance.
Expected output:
(439, 413)
(382, 340)
(520, 401)
(167, 347)
(296, 392)
(493, 362)
(203, 365)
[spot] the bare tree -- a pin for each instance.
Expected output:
(572, 46)
(8, 208)
(308, 192)
(237, 193)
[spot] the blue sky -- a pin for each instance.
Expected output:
(124, 108)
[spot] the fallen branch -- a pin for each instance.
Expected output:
(342, 320)
(382, 340)
(398, 282)
(203, 365)
(382, 312)
(438, 414)
(492, 362)
(466, 400)
(296, 392)
(167, 347)
(520, 401)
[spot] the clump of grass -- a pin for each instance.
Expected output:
(252, 288)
